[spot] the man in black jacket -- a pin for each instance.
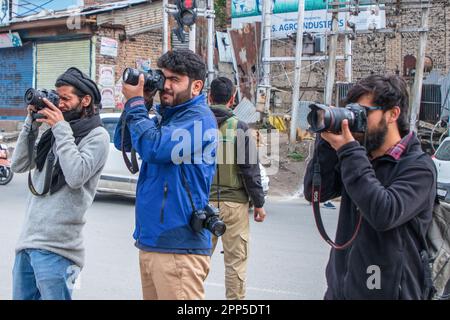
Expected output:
(390, 183)
(237, 180)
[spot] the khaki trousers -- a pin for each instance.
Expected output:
(235, 243)
(167, 276)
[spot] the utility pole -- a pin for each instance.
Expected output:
(348, 54)
(331, 67)
(266, 44)
(211, 32)
(165, 39)
(192, 37)
(416, 92)
(297, 72)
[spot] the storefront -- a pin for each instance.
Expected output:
(16, 76)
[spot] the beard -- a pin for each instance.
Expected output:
(177, 98)
(74, 114)
(375, 137)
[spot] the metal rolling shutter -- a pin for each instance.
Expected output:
(53, 58)
(16, 76)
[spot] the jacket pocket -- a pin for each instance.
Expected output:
(166, 190)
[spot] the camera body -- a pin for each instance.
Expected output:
(154, 79)
(34, 97)
(208, 218)
(325, 118)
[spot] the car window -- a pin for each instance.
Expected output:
(110, 126)
(443, 152)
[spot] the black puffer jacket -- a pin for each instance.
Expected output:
(395, 198)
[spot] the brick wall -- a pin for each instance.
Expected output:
(146, 46)
(384, 55)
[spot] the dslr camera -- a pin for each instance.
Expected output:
(154, 79)
(208, 219)
(34, 97)
(325, 118)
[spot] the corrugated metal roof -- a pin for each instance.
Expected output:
(135, 19)
(246, 111)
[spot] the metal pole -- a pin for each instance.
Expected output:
(331, 68)
(211, 31)
(297, 72)
(416, 92)
(267, 24)
(348, 55)
(192, 37)
(165, 39)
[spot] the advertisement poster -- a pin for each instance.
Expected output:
(10, 40)
(143, 64)
(109, 47)
(317, 18)
(106, 75)
(108, 97)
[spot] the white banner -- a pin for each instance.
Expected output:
(316, 21)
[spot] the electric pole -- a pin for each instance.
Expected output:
(297, 72)
(416, 92)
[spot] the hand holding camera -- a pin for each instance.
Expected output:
(138, 84)
(35, 101)
(339, 140)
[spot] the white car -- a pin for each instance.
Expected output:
(442, 161)
(116, 178)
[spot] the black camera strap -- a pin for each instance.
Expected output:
(48, 169)
(316, 187)
(132, 165)
(186, 186)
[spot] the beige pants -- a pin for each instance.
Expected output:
(166, 276)
(235, 247)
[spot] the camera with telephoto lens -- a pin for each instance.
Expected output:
(154, 79)
(35, 98)
(208, 219)
(325, 118)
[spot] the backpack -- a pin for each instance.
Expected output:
(436, 253)
(438, 247)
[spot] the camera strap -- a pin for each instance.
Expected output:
(132, 165)
(186, 186)
(48, 169)
(316, 187)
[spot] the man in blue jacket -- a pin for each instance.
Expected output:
(177, 147)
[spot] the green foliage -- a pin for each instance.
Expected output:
(220, 6)
(296, 156)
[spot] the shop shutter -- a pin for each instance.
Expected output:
(53, 58)
(16, 76)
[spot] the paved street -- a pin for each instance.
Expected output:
(287, 255)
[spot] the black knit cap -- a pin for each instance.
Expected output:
(75, 78)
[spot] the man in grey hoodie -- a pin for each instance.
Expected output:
(68, 160)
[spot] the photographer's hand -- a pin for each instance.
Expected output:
(259, 214)
(129, 91)
(339, 140)
(52, 113)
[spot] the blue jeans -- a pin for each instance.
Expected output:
(43, 275)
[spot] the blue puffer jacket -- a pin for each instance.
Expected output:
(163, 209)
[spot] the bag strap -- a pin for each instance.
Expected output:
(132, 165)
(48, 169)
(316, 187)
